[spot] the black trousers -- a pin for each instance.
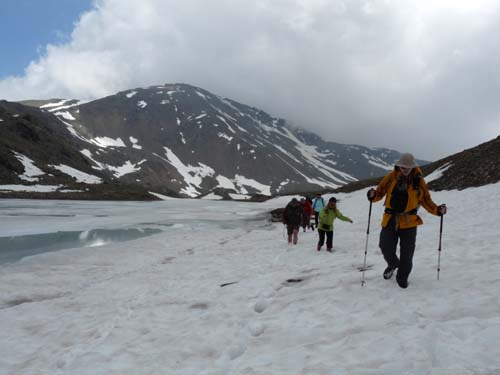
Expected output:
(306, 220)
(389, 238)
(329, 238)
(316, 218)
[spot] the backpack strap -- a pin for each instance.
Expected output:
(416, 182)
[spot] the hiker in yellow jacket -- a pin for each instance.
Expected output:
(405, 190)
(325, 227)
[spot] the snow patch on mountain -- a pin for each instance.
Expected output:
(124, 169)
(88, 155)
(108, 142)
(134, 143)
(80, 176)
(201, 95)
(224, 135)
(281, 149)
(66, 115)
(438, 173)
(56, 104)
(212, 197)
(314, 157)
(227, 124)
(31, 171)
(131, 94)
(62, 105)
(193, 176)
(225, 183)
(73, 131)
(244, 181)
(377, 162)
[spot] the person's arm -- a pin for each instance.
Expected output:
(426, 200)
(382, 188)
(339, 215)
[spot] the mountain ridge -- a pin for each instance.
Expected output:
(181, 140)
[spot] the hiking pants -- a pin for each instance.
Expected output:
(293, 233)
(389, 237)
(306, 221)
(316, 218)
(329, 238)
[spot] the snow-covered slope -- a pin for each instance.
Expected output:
(156, 305)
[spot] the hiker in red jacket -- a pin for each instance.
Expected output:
(308, 211)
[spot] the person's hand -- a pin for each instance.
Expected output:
(441, 210)
(370, 194)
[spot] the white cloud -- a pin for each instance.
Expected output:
(417, 76)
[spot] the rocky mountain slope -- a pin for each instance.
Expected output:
(180, 140)
(477, 166)
(39, 158)
(473, 167)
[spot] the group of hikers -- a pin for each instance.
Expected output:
(298, 213)
(404, 190)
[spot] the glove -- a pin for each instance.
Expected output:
(370, 194)
(441, 210)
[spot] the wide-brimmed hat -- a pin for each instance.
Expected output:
(406, 161)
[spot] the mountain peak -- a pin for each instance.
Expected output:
(183, 139)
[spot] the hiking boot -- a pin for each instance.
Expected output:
(388, 272)
(319, 248)
(402, 283)
(330, 250)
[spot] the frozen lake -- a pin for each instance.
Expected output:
(30, 227)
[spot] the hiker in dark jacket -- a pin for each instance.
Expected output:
(292, 218)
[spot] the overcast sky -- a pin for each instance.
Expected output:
(408, 75)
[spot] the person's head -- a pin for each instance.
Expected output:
(406, 163)
(318, 195)
(332, 202)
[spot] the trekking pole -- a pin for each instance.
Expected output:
(284, 230)
(366, 245)
(439, 248)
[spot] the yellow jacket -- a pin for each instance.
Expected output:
(416, 197)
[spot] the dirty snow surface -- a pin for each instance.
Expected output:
(213, 288)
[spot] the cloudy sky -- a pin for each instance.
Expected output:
(412, 75)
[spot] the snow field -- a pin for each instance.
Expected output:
(156, 306)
